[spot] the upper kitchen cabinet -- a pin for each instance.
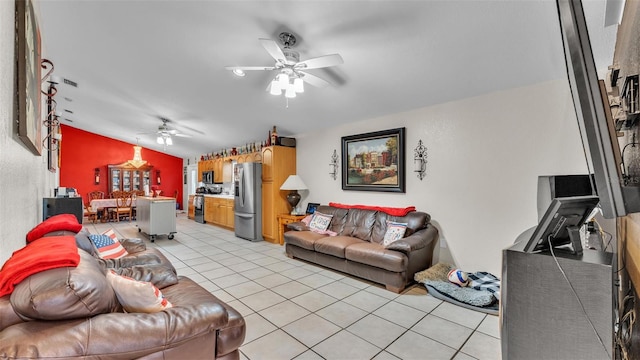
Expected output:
(126, 177)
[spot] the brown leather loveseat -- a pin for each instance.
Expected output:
(73, 313)
(357, 248)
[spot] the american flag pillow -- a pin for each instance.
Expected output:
(107, 247)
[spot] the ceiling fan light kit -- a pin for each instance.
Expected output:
(290, 77)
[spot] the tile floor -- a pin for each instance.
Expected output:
(296, 310)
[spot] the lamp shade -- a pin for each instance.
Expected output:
(293, 182)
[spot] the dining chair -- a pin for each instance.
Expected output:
(123, 207)
(133, 208)
(97, 194)
(90, 214)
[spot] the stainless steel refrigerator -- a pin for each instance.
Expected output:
(248, 200)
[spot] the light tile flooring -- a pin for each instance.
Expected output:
(296, 310)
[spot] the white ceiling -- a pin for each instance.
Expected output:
(137, 60)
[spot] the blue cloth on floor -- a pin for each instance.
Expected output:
(485, 281)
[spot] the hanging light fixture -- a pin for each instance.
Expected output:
(137, 156)
(164, 139)
(290, 84)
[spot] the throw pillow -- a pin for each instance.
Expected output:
(320, 221)
(395, 231)
(137, 296)
(307, 220)
(107, 247)
(67, 222)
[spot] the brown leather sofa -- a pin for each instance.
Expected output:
(357, 249)
(91, 323)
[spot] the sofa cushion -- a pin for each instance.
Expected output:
(376, 255)
(65, 293)
(67, 222)
(395, 231)
(338, 219)
(303, 239)
(415, 221)
(335, 245)
(137, 296)
(359, 224)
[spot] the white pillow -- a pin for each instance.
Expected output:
(320, 221)
(137, 296)
(395, 231)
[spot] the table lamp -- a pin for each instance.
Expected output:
(293, 183)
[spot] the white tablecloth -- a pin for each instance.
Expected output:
(106, 203)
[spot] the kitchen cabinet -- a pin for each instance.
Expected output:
(217, 170)
(278, 162)
(126, 177)
(219, 211)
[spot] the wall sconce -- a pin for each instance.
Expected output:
(158, 176)
(96, 176)
(420, 160)
(333, 166)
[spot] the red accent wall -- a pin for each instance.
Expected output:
(81, 152)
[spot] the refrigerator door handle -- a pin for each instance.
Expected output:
(241, 187)
(245, 216)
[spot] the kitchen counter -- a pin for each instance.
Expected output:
(219, 196)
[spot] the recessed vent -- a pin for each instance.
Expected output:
(68, 99)
(69, 111)
(69, 120)
(71, 83)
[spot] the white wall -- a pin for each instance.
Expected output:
(484, 156)
(24, 178)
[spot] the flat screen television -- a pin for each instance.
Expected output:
(561, 223)
(616, 198)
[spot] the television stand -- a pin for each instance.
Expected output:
(541, 317)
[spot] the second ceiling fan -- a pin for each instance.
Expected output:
(291, 71)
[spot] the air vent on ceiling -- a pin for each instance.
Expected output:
(71, 83)
(69, 120)
(69, 111)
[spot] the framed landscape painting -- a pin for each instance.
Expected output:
(29, 82)
(374, 161)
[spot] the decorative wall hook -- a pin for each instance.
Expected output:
(420, 160)
(333, 166)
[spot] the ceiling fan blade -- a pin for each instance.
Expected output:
(249, 68)
(320, 62)
(313, 80)
(273, 49)
(181, 135)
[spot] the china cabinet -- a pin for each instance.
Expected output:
(126, 177)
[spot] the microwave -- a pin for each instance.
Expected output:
(207, 177)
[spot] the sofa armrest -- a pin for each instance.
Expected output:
(418, 240)
(298, 226)
(8, 316)
(195, 313)
(133, 245)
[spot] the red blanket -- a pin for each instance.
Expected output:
(40, 255)
(389, 210)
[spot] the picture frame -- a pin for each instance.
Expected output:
(28, 74)
(374, 161)
(311, 208)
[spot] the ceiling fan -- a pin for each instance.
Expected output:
(165, 133)
(291, 71)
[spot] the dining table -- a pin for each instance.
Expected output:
(102, 206)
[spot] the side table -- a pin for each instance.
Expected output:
(283, 220)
